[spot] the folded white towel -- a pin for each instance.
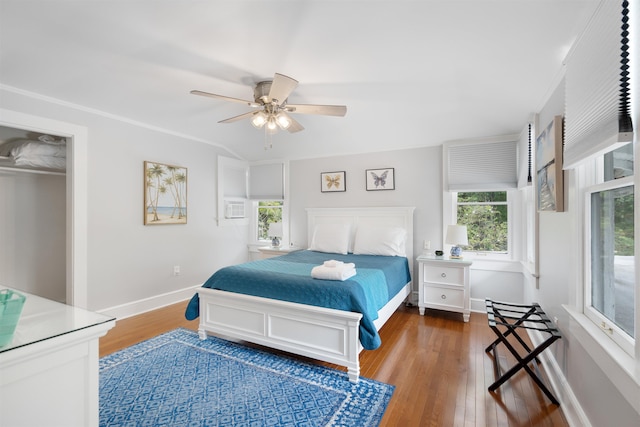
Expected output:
(333, 263)
(333, 273)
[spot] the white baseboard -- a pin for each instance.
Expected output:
(569, 404)
(478, 305)
(142, 306)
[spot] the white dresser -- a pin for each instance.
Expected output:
(49, 371)
(444, 285)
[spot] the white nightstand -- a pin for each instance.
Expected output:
(444, 285)
(270, 251)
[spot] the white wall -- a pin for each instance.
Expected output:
(32, 233)
(127, 261)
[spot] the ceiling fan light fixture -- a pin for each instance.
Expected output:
(272, 124)
(270, 99)
(259, 119)
(283, 121)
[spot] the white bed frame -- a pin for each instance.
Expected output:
(320, 333)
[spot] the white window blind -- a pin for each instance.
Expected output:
(234, 181)
(524, 156)
(232, 190)
(597, 86)
(266, 181)
(475, 166)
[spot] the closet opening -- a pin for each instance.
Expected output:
(43, 211)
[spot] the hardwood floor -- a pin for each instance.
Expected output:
(437, 363)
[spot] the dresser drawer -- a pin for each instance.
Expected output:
(443, 274)
(434, 295)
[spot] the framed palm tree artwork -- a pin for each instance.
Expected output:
(165, 194)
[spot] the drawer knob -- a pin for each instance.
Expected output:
(443, 275)
(443, 296)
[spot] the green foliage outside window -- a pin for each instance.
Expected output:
(618, 164)
(624, 224)
(485, 215)
(268, 212)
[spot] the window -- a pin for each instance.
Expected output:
(601, 199)
(267, 212)
(610, 286)
(486, 216)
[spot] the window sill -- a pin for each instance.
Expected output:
(481, 263)
(620, 367)
(253, 247)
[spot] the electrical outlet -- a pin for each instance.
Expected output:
(176, 270)
(427, 244)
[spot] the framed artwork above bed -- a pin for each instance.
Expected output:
(380, 179)
(165, 194)
(333, 182)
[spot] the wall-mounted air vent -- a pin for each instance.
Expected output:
(234, 210)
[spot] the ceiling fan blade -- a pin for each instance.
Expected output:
(325, 110)
(281, 88)
(226, 98)
(294, 125)
(236, 118)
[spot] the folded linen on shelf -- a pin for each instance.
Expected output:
(342, 272)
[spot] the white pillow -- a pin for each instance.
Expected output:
(331, 238)
(388, 241)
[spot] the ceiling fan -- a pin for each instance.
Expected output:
(272, 110)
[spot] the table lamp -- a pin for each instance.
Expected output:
(456, 236)
(275, 232)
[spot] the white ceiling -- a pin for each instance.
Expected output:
(412, 73)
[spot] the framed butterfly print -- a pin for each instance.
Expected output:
(333, 181)
(380, 179)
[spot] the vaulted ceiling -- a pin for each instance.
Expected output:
(411, 73)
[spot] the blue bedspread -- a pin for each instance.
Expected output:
(288, 278)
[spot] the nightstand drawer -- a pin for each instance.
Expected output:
(444, 296)
(443, 274)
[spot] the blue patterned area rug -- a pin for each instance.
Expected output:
(176, 379)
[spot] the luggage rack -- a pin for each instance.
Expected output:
(506, 319)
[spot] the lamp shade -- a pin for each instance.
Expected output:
(275, 229)
(457, 235)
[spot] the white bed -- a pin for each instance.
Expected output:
(320, 333)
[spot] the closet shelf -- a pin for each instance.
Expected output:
(36, 171)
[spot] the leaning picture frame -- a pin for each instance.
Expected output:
(331, 182)
(380, 179)
(549, 173)
(165, 194)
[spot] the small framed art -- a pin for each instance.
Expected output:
(380, 179)
(165, 194)
(333, 181)
(550, 182)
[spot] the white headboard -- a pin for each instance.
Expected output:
(378, 216)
